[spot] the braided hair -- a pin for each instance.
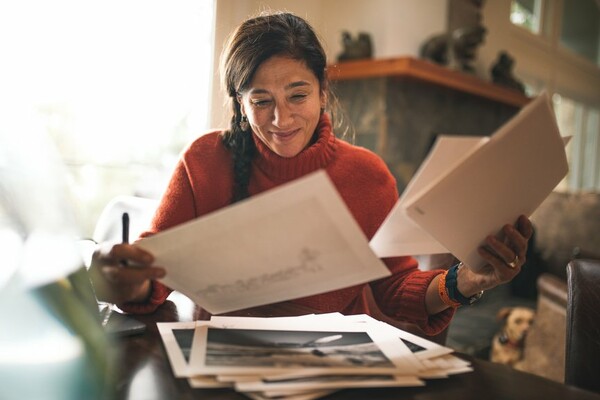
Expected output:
(253, 42)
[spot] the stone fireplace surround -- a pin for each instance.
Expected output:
(396, 107)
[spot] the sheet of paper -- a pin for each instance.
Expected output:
(510, 175)
(322, 347)
(177, 338)
(399, 235)
(207, 382)
(304, 395)
(422, 348)
(331, 382)
(296, 240)
(302, 357)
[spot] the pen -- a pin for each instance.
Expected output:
(125, 232)
(125, 227)
(125, 239)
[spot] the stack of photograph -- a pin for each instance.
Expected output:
(305, 357)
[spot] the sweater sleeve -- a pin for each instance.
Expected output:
(402, 295)
(158, 295)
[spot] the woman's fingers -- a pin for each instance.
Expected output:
(504, 257)
(130, 253)
(123, 272)
(525, 227)
(131, 275)
(510, 251)
(503, 252)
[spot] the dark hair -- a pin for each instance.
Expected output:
(253, 42)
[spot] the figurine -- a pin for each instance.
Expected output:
(457, 49)
(465, 42)
(355, 49)
(502, 72)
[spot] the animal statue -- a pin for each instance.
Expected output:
(458, 47)
(502, 72)
(355, 49)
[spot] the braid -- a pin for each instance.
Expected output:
(242, 148)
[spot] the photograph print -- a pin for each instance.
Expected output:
(292, 349)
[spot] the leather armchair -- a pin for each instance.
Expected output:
(582, 356)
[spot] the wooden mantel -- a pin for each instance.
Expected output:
(409, 67)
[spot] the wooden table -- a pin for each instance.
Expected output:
(143, 370)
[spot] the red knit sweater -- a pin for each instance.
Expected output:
(203, 180)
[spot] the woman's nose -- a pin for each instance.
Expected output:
(282, 115)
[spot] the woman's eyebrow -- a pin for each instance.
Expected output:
(289, 86)
(257, 91)
(297, 84)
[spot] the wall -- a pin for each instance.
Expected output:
(396, 27)
(399, 27)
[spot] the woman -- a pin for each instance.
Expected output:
(274, 70)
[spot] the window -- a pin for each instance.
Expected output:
(580, 28)
(564, 60)
(527, 14)
(120, 85)
(583, 123)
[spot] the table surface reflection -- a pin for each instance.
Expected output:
(143, 370)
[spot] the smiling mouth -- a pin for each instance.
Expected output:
(285, 135)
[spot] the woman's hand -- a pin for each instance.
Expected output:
(114, 282)
(505, 259)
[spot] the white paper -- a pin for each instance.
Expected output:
(444, 366)
(175, 352)
(331, 382)
(224, 321)
(468, 188)
(395, 357)
(296, 240)
(279, 364)
(428, 350)
(207, 382)
(399, 235)
(311, 395)
(510, 175)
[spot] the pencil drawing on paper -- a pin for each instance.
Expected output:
(308, 262)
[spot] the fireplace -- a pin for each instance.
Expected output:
(398, 106)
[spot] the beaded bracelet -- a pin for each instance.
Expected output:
(443, 291)
(451, 282)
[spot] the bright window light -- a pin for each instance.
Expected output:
(526, 14)
(121, 85)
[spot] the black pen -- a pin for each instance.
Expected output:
(125, 227)
(125, 232)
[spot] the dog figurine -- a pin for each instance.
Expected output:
(508, 344)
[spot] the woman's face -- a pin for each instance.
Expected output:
(283, 105)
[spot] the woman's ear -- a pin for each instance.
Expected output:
(323, 99)
(241, 103)
(324, 93)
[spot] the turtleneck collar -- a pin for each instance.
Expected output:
(316, 156)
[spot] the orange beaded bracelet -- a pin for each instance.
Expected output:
(443, 292)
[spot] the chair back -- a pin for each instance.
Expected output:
(582, 358)
(108, 227)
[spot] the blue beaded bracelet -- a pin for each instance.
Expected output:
(452, 288)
